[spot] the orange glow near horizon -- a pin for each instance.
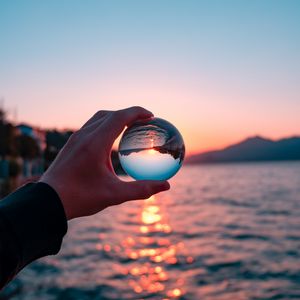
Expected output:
(201, 133)
(199, 137)
(215, 93)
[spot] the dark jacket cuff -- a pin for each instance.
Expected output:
(37, 218)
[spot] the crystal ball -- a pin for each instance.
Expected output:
(151, 149)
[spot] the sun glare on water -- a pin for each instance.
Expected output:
(151, 252)
(151, 151)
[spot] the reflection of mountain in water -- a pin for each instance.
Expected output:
(175, 153)
(157, 134)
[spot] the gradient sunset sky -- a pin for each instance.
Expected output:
(219, 70)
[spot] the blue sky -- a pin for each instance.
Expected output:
(219, 70)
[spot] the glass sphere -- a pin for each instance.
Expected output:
(151, 149)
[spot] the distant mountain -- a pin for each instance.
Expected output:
(252, 149)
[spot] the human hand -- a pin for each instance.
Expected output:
(82, 173)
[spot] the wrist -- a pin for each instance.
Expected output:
(58, 187)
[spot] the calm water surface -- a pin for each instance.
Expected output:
(222, 232)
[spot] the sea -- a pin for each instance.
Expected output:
(222, 232)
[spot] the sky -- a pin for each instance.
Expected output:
(220, 71)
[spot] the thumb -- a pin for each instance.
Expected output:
(142, 189)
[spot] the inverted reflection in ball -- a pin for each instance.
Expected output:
(151, 149)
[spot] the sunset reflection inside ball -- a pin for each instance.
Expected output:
(151, 149)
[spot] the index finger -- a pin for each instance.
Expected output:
(117, 121)
(99, 115)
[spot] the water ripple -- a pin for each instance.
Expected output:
(222, 232)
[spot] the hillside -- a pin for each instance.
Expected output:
(252, 149)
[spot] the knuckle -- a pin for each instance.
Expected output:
(80, 140)
(125, 113)
(74, 137)
(100, 113)
(86, 149)
(136, 108)
(119, 114)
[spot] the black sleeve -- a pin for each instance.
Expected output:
(32, 225)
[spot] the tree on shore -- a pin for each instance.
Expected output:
(27, 147)
(7, 137)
